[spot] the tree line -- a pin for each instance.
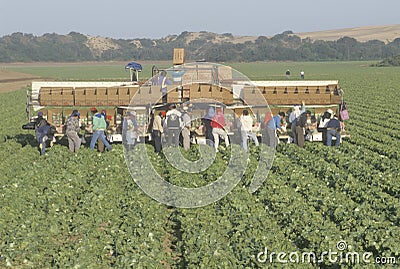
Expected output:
(20, 47)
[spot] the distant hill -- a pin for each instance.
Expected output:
(386, 33)
(364, 43)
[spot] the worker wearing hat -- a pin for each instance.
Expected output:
(72, 131)
(99, 127)
(40, 121)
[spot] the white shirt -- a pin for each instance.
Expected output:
(246, 123)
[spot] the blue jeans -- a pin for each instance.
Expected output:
(329, 135)
(99, 134)
(245, 135)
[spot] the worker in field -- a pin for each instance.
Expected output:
(100, 144)
(287, 74)
(173, 122)
(130, 129)
(301, 125)
(302, 74)
(72, 131)
(207, 126)
(45, 132)
(186, 126)
(99, 126)
(273, 125)
(333, 130)
(157, 131)
(245, 124)
(293, 116)
(311, 128)
(218, 125)
(323, 122)
(163, 81)
(40, 121)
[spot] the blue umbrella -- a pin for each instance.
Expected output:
(134, 69)
(134, 65)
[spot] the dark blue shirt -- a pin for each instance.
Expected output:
(333, 123)
(43, 131)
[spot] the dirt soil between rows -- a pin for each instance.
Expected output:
(12, 81)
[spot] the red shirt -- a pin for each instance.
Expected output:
(218, 121)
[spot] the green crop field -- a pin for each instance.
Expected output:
(84, 210)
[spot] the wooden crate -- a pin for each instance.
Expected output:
(80, 96)
(101, 91)
(45, 96)
(217, 92)
(133, 91)
(179, 56)
(195, 92)
(227, 97)
(67, 96)
(150, 94)
(90, 102)
(123, 96)
(253, 96)
(68, 100)
(112, 96)
(90, 93)
(206, 91)
(173, 96)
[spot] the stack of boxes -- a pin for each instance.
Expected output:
(217, 93)
(173, 95)
(227, 96)
(56, 96)
(90, 98)
(206, 91)
(195, 91)
(101, 96)
(134, 94)
(253, 96)
(112, 96)
(80, 97)
(67, 96)
(151, 94)
(45, 96)
(123, 96)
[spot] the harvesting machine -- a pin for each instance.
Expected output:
(198, 84)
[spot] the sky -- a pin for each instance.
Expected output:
(129, 19)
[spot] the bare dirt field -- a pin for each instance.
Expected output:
(11, 81)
